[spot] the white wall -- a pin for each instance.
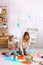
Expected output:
(19, 7)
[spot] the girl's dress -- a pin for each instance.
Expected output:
(12, 50)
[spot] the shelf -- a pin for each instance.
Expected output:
(3, 27)
(3, 6)
(5, 37)
(34, 35)
(3, 14)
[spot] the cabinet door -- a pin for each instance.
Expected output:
(5, 42)
(1, 34)
(1, 41)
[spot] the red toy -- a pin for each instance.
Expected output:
(20, 57)
(3, 53)
(25, 62)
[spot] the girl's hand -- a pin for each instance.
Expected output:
(22, 53)
(14, 46)
(9, 47)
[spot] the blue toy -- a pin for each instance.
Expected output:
(10, 59)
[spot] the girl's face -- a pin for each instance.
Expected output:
(12, 39)
(26, 37)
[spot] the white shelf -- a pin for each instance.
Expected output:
(34, 35)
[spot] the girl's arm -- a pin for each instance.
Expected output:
(28, 45)
(21, 48)
(9, 47)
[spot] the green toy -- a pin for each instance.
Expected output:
(29, 59)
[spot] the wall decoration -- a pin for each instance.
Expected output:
(23, 17)
(29, 17)
(18, 24)
(35, 18)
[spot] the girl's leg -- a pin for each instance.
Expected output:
(28, 51)
(19, 52)
(9, 52)
(15, 52)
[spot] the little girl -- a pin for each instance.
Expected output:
(24, 43)
(11, 46)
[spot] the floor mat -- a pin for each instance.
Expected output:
(9, 58)
(32, 52)
(14, 63)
